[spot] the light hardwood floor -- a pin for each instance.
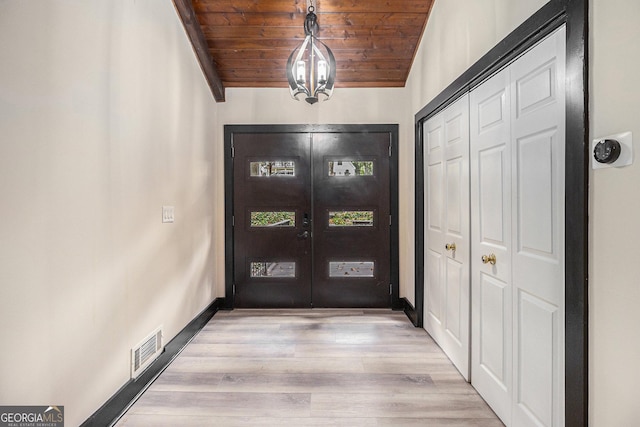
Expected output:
(310, 368)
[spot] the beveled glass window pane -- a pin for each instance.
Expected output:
(351, 219)
(351, 269)
(273, 219)
(350, 168)
(273, 269)
(273, 168)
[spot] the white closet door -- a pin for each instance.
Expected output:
(517, 204)
(538, 162)
(492, 332)
(447, 286)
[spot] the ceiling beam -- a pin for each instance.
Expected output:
(194, 31)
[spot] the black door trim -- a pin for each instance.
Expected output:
(231, 130)
(575, 14)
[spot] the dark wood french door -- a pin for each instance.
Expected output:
(311, 219)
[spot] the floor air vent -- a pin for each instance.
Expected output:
(146, 352)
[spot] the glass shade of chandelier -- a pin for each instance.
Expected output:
(311, 68)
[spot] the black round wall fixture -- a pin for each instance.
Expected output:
(607, 151)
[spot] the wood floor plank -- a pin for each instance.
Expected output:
(240, 350)
(176, 381)
(328, 383)
(220, 421)
(222, 404)
(426, 349)
(393, 365)
(327, 367)
(296, 383)
(439, 422)
(399, 405)
(256, 336)
(238, 365)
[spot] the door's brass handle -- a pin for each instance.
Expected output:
(489, 259)
(303, 235)
(450, 246)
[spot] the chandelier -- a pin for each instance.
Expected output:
(311, 68)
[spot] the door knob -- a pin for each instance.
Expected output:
(489, 259)
(303, 235)
(450, 246)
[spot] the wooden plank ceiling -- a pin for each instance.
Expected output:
(246, 43)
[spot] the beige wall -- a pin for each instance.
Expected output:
(614, 231)
(460, 32)
(104, 117)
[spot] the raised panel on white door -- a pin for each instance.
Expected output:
(433, 138)
(539, 215)
(433, 198)
(433, 287)
(492, 367)
(536, 394)
(492, 166)
(456, 283)
(433, 149)
(457, 205)
(455, 126)
(536, 89)
(494, 328)
(491, 110)
(536, 199)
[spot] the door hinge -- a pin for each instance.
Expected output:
(390, 289)
(389, 149)
(233, 150)
(233, 220)
(390, 220)
(234, 289)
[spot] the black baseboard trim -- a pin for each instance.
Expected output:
(119, 403)
(411, 312)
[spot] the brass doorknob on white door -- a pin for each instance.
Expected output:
(450, 246)
(489, 259)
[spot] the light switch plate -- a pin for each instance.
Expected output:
(168, 213)
(626, 151)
